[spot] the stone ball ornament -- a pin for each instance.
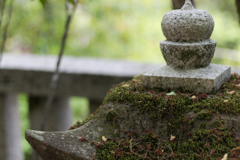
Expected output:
(188, 32)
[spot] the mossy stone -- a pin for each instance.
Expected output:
(147, 124)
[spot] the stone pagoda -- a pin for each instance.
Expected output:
(138, 120)
(188, 52)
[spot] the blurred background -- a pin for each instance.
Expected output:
(126, 29)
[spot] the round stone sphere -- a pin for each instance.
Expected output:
(187, 24)
(188, 55)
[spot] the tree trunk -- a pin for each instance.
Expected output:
(238, 8)
(177, 4)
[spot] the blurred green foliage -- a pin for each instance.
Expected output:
(126, 29)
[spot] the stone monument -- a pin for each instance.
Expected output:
(188, 52)
(137, 121)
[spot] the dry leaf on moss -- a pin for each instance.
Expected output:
(225, 157)
(104, 138)
(194, 97)
(172, 137)
(232, 92)
(225, 101)
(126, 85)
(171, 94)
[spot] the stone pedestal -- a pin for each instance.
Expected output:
(200, 80)
(10, 139)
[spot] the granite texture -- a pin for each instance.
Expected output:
(187, 24)
(188, 55)
(202, 80)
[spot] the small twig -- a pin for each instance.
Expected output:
(218, 116)
(2, 8)
(238, 8)
(55, 77)
(131, 150)
(215, 136)
(6, 29)
(170, 148)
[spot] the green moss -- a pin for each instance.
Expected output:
(79, 124)
(202, 144)
(205, 141)
(207, 115)
(111, 115)
(192, 121)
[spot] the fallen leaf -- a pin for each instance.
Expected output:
(232, 92)
(126, 85)
(104, 138)
(238, 85)
(225, 101)
(172, 137)
(171, 94)
(134, 80)
(194, 97)
(225, 157)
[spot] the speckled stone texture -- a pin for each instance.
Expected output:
(201, 80)
(188, 55)
(187, 24)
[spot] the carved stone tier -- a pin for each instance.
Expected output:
(188, 55)
(200, 80)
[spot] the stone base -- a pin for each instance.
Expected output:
(201, 80)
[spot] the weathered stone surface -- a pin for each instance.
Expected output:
(201, 80)
(60, 145)
(187, 24)
(188, 55)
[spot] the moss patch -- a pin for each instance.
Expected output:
(202, 144)
(206, 141)
(79, 124)
(111, 115)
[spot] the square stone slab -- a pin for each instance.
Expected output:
(200, 80)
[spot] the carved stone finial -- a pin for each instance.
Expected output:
(188, 5)
(187, 24)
